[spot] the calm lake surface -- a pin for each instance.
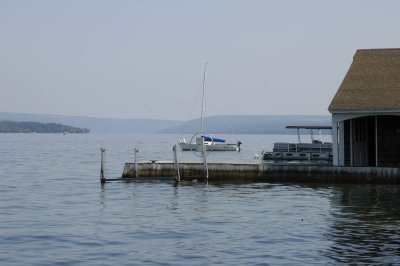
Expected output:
(53, 210)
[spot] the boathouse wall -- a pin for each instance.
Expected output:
(367, 141)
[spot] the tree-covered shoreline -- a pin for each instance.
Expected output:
(35, 127)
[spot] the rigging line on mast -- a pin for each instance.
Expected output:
(202, 98)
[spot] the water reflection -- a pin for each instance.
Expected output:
(365, 223)
(255, 222)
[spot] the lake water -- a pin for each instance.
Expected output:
(54, 211)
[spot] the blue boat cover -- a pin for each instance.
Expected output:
(212, 139)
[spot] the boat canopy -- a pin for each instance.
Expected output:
(206, 138)
(310, 127)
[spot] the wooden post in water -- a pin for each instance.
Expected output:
(177, 174)
(136, 165)
(204, 157)
(102, 170)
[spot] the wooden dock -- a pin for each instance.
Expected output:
(259, 172)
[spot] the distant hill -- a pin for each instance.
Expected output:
(249, 124)
(226, 124)
(95, 125)
(35, 127)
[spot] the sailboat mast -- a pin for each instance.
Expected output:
(202, 98)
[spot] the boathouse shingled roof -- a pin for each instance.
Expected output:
(371, 83)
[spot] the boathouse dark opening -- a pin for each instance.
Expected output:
(389, 141)
(346, 133)
(372, 141)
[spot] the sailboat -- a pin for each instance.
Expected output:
(210, 143)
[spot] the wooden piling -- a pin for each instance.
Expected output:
(102, 165)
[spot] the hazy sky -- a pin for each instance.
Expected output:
(145, 58)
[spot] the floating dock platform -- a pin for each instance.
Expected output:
(259, 172)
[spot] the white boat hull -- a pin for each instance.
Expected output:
(209, 146)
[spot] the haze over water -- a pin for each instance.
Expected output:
(53, 210)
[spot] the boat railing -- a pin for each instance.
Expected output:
(302, 147)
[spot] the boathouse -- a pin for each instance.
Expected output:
(366, 111)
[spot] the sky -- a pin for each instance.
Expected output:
(145, 58)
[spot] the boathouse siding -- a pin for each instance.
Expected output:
(366, 111)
